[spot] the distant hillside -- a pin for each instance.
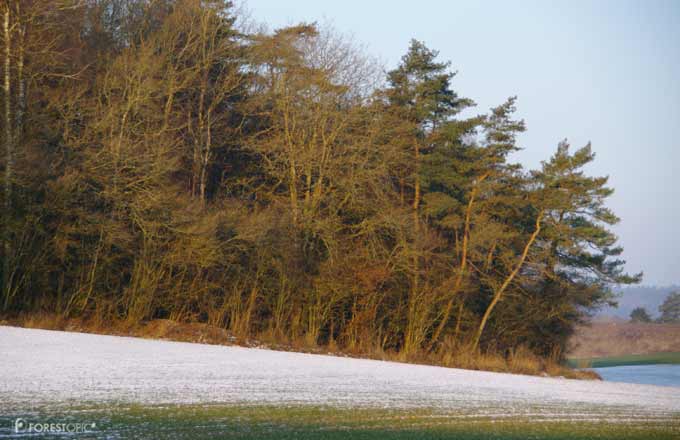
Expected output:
(615, 337)
(649, 297)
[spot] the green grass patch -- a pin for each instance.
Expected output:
(310, 422)
(619, 361)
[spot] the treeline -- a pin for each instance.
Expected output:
(669, 311)
(161, 161)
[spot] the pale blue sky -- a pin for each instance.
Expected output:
(601, 71)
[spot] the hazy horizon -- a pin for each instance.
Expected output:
(604, 72)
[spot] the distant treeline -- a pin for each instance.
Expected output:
(669, 311)
(162, 160)
(633, 296)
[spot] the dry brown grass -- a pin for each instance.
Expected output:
(615, 338)
(519, 361)
(523, 361)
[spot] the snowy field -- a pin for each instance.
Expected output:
(42, 369)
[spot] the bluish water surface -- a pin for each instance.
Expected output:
(659, 374)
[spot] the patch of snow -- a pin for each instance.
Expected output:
(48, 368)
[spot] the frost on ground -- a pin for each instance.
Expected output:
(50, 369)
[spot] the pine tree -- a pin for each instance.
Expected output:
(639, 314)
(670, 308)
(420, 94)
(579, 256)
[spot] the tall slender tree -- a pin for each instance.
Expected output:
(420, 93)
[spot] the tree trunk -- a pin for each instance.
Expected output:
(205, 160)
(499, 293)
(9, 156)
(409, 337)
(463, 264)
(21, 85)
(292, 166)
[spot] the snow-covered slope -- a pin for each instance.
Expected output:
(50, 368)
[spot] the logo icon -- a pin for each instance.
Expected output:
(19, 425)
